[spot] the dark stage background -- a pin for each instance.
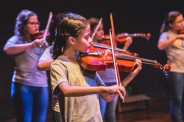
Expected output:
(131, 16)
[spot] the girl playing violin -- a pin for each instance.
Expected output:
(108, 109)
(173, 43)
(29, 90)
(100, 33)
(77, 97)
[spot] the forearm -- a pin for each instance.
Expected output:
(128, 79)
(126, 46)
(12, 50)
(44, 65)
(133, 73)
(165, 44)
(74, 91)
(127, 43)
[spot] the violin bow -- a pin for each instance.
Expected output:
(112, 35)
(47, 27)
(94, 32)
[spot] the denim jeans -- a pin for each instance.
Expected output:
(30, 102)
(108, 109)
(176, 85)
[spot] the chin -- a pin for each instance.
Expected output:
(85, 51)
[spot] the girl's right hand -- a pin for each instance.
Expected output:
(115, 89)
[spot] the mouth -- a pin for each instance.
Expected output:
(87, 49)
(36, 30)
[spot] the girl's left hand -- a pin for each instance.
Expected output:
(138, 66)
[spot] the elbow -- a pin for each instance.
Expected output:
(66, 93)
(160, 47)
(7, 51)
(39, 67)
(44, 65)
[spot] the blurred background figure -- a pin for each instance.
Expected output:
(108, 109)
(172, 41)
(29, 90)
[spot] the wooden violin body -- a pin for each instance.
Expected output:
(39, 35)
(96, 61)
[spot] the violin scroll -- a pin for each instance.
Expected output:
(167, 67)
(164, 68)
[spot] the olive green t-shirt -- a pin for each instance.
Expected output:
(77, 109)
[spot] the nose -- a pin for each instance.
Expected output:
(90, 40)
(102, 31)
(182, 23)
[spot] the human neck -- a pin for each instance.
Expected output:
(174, 31)
(71, 54)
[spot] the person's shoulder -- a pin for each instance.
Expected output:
(58, 61)
(165, 33)
(58, 64)
(14, 37)
(12, 40)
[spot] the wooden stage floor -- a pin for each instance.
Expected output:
(156, 110)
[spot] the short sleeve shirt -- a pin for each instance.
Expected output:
(26, 71)
(175, 52)
(78, 109)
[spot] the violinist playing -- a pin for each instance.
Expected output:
(108, 109)
(99, 36)
(172, 41)
(29, 90)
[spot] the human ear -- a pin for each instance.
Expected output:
(170, 25)
(72, 40)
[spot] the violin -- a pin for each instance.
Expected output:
(143, 35)
(96, 61)
(121, 38)
(39, 35)
(43, 34)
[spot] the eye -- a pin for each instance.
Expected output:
(87, 37)
(34, 23)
